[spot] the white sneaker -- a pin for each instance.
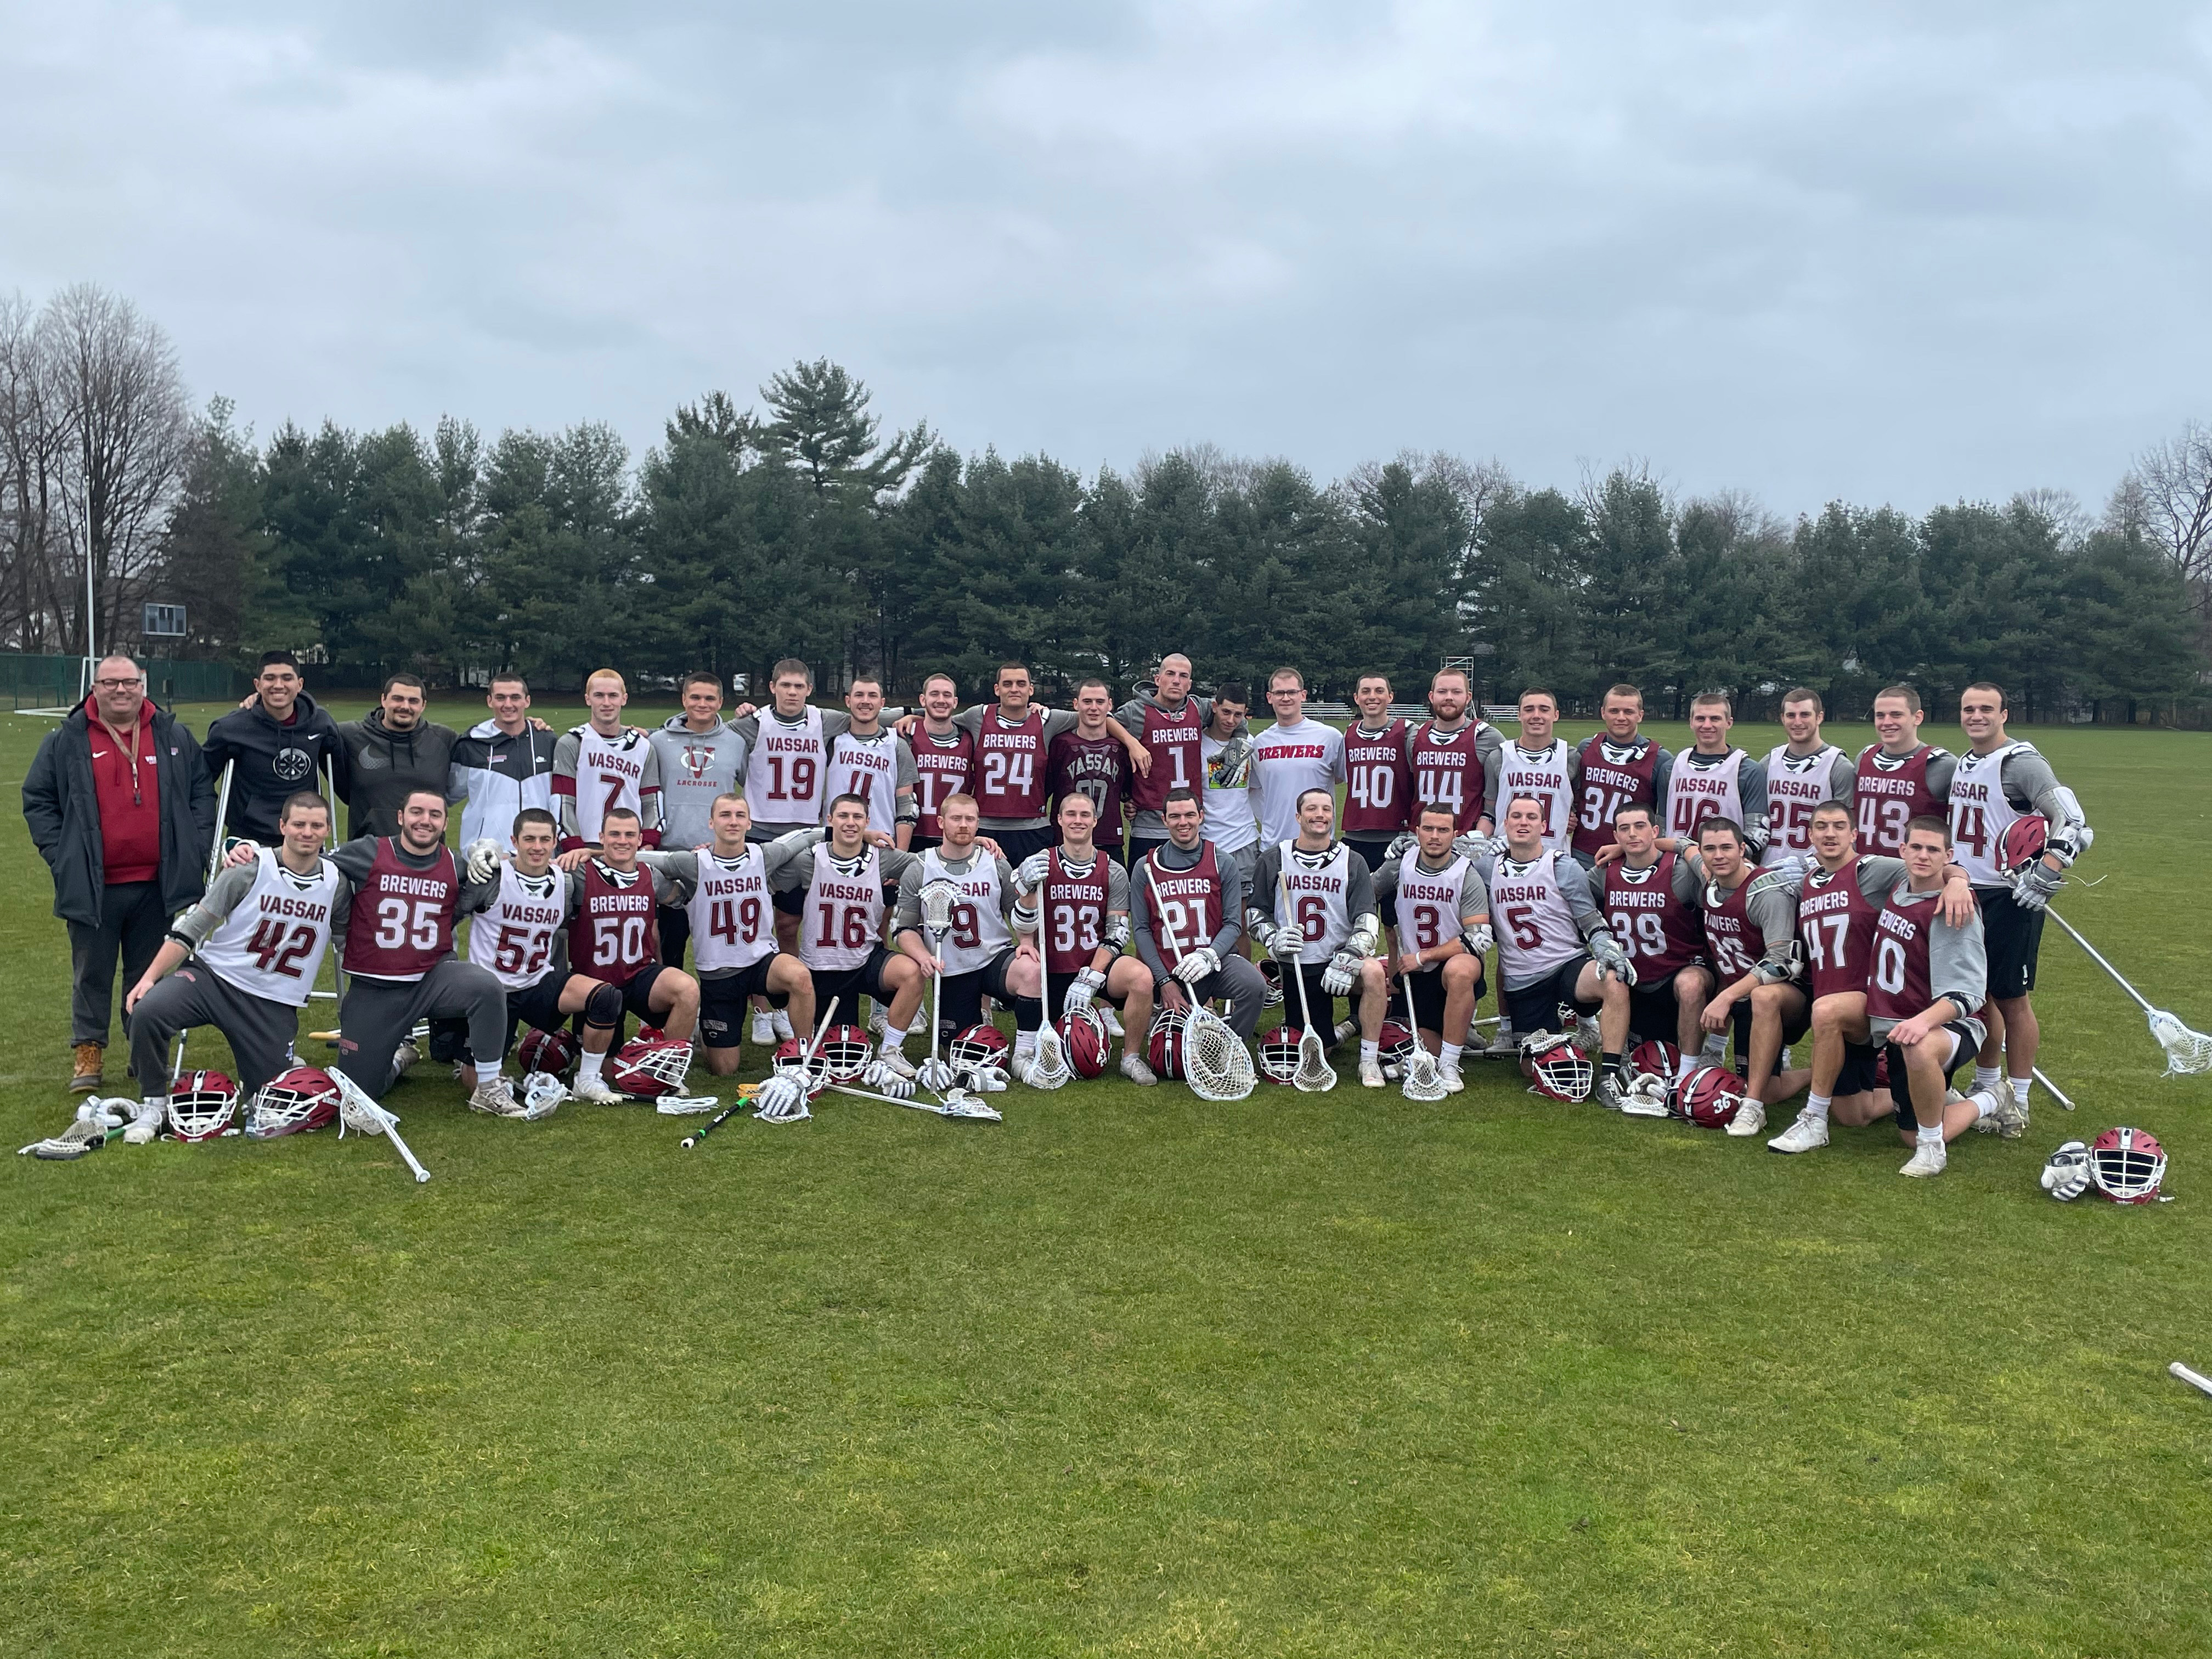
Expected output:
(1453, 1083)
(780, 1021)
(763, 1029)
(1750, 1118)
(145, 1124)
(1503, 1045)
(1134, 1069)
(1586, 1034)
(896, 1064)
(1370, 1073)
(1928, 1159)
(1113, 1021)
(877, 1024)
(2011, 1117)
(404, 1059)
(1804, 1135)
(495, 1096)
(593, 1092)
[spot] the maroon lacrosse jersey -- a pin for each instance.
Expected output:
(1096, 767)
(1608, 786)
(1190, 901)
(614, 932)
(1893, 791)
(400, 925)
(1379, 780)
(1010, 766)
(1072, 914)
(1836, 923)
(1173, 741)
(1447, 770)
(940, 769)
(1733, 942)
(1899, 982)
(1659, 932)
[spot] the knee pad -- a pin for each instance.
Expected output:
(449, 1040)
(605, 1009)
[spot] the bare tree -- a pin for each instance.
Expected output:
(30, 467)
(2167, 497)
(123, 432)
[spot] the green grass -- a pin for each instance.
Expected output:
(1129, 1374)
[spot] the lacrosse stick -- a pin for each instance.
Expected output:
(330, 840)
(1049, 1069)
(2187, 1052)
(806, 1061)
(937, 897)
(957, 1103)
(222, 809)
(93, 1127)
(1423, 1078)
(1315, 1075)
(358, 1113)
(2050, 1088)
(1215, 1063)
(2195, 1380)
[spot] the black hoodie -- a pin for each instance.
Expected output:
(274, 763)
(388, 765)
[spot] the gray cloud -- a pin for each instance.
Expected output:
(1886, 252)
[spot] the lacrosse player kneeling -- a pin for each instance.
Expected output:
(1078, 901)
(1443, 933)
(1186, 913)
(1312, 908)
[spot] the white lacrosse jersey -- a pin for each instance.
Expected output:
(1320, 901)
(1542, 773)
(271, 945)
(786, 770)
(610, 773)
(1431, 905)
(1795, 784)
(843, 918)
(1980, 814)
(978, 929)
(1289, 760)
(512, 938)
(868, 767)
(1536, 932)
(732, 910)
(1695, 793)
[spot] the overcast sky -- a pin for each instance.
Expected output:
(1903, 252)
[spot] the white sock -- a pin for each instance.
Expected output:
(153, 1103)
(893, 1037)
(1715, 1045)
(1929, 1134)
(1025, 1043)
(1368, 1050)
(1985, 1102)
(1452, 1052)
(1985, 1077)
(588, 1067)
(2020, 1088)
(1816, 1106)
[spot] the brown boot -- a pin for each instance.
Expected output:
(84, 1067)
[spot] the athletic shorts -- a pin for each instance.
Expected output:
(637, 994)
(1015, 845)
(1372, 851)
(1536, 1007)
(1795, 1024)
(1428, 999)
(1322, 1003)
(1061, 983)
(846, 986)
(2011, 935)
(723, 1001)
(963, 995)
(537, 1007)
(1862, 1064)
(1966, 1037)
(1651, 1009)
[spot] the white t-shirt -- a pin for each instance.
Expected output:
(1289, 760)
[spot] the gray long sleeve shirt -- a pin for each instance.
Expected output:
(1174, 857)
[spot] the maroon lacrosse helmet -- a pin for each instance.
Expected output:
(1278, 1054)
(549, 1052)
(1710, 1099)
(1084, 1036)
(1164, 1042)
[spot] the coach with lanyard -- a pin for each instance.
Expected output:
(120, 806)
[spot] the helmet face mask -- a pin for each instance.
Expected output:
(549, 1052)
(645, 1068)
(844, 1052)
(981, 1044)
(201, 1104)
(1277, 1054)
(303, 1099)
(1560, 1071)
(2127, 1165)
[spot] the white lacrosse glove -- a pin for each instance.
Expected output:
(1478, 939)
(884, 1081)
(985, 1080)
(2066, 1177)
(542, 1095)
(938, 1076)
(1343, 969)
(1612, 961)
(781, 1099)
(2032, 888)
(1200, 964)
(1031, 876)
(1084, 986)
(1286, 944)
(481, 856)
(1399, 842)
(145, 1124)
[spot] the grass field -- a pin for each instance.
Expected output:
(1129, 1374)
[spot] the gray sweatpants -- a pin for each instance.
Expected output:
(260, 1032)
(1239, 981)
(377, 1013)
(132, 924)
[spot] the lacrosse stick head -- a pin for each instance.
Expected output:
(2187, 1053)
(645, 1068)
(1392, 1045)
(844, 1052)
(1216, 1064)
(1648, 1095)
(1422, 1077)
(546, 1053)
(201, 1104)
(1083, 1038)
(1164, 1042)
(965, 1108)
(2127, 1165)
(1278, 1055)
(937, 898)
(981, 1044)
(1315, 1075)
(356, 1111)
(84, 1134)
(1710, 1099)
(1560, 1070)
(303, 1099)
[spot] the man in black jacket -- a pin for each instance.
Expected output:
(392, 752)
(280, 742)
(120, 806)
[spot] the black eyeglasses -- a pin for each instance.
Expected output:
(119, 685)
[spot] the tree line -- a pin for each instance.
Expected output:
(802, 528)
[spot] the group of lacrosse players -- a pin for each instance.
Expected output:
(852, 889)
